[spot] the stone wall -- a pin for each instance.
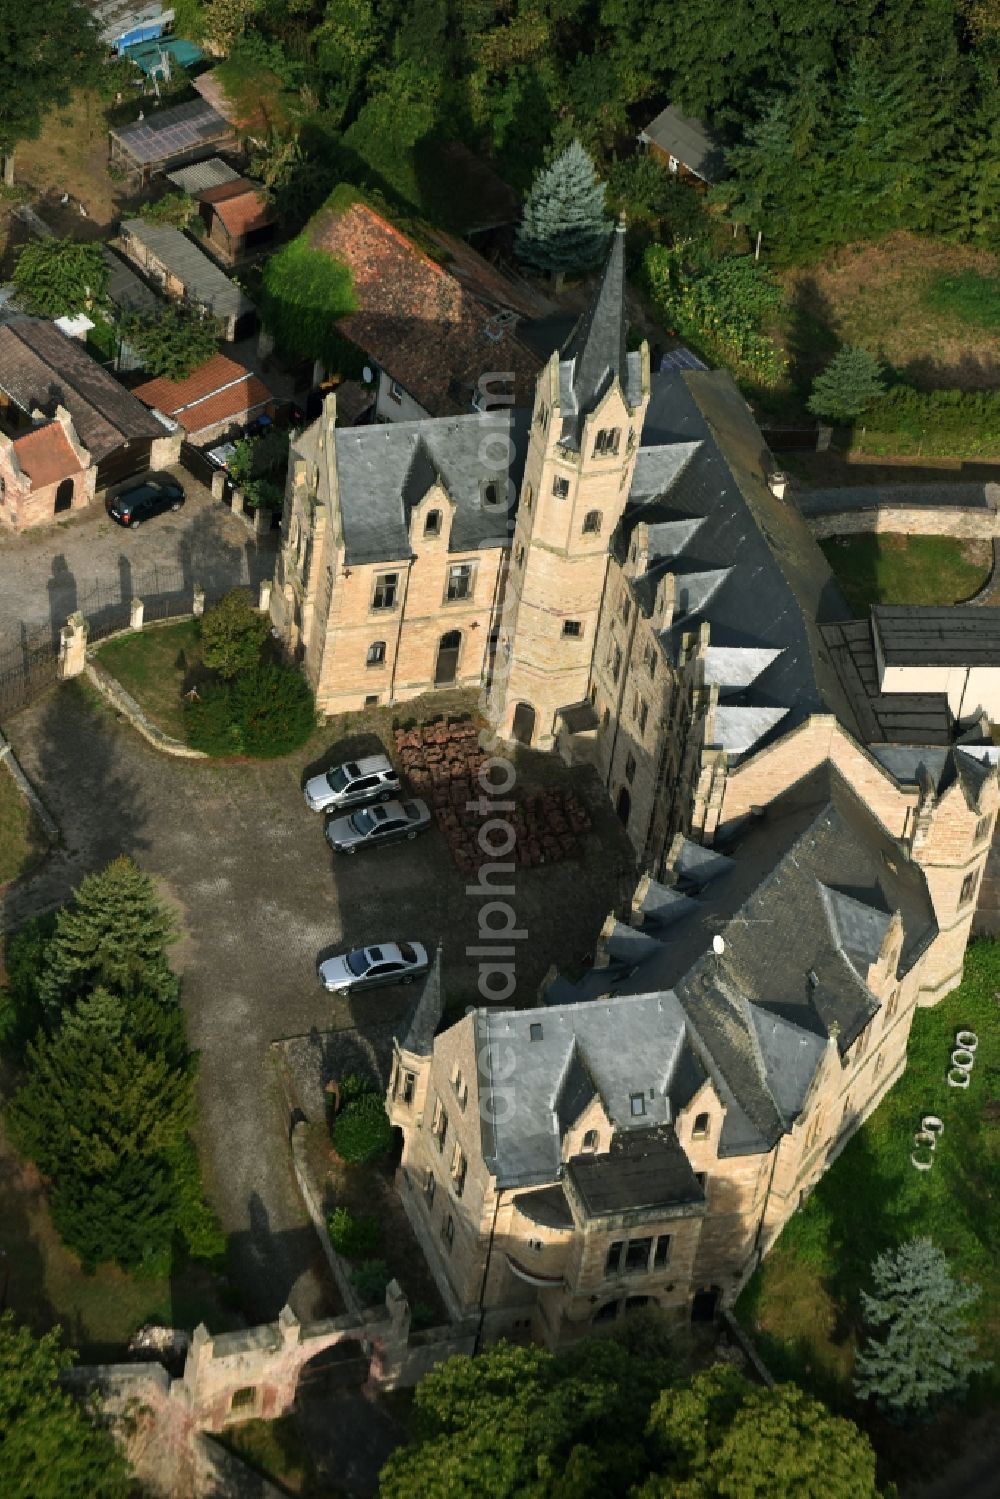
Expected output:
(966, 511)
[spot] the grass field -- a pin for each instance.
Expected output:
(157, 666)
(928, 308)
(894, 569)
(802, 1306)
(101, 1311)
(20, 841)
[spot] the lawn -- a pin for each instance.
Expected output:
(99, 1312)
(889, 568)
(21, 844)
(157, 665)
(928, 308)
(802, 1306)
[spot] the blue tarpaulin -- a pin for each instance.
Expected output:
(147, 54)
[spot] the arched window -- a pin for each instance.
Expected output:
(432, 524)
(590, 1140)
(592, 523)
(700, 1129)
(376, 653)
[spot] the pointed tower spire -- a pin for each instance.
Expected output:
(596, 347)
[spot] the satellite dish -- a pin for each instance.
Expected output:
(718, 946)
(366, 374)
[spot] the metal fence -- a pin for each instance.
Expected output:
(26, 670)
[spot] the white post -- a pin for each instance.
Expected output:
(198, 607)
(264, 603)
(756, 253)
(135, 618)
(72, 646)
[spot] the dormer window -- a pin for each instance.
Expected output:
(432, 523)
(637, 1105)
(606, 442)
(700, 1128)
(590, 1140)
(492, 493)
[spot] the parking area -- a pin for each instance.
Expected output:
(87, 562)
(259, 896)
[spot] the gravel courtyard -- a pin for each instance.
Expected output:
(259, 896)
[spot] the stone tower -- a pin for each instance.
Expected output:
(590, 401)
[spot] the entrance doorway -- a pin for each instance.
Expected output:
(705, 1304)
(623, 806)
(64, 496)
(523, 727)
(446, 669)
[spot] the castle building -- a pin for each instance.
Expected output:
(622, 573)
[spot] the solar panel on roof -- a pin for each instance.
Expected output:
(681, 359)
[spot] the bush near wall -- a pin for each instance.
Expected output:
(945, 423)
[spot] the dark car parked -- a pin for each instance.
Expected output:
(140, 503)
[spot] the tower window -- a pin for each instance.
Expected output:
(572, 628)
(460, 580)
(615, 660)
(492, 493)
(968, 887)
(592, 523)
(700, 1128)
(527, 497)
(432, 523)
(560, 488)
(630, 768)
(626, 609)
(384, 593)
(641, 713)
(376, 654)
(590, 1140)
(606, 442)
(519, 555)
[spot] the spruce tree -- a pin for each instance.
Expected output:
(564, 226)
(851, 382)
(927, 1350)
(113, 933)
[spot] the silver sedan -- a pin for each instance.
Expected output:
(370, 967)
(371, 827)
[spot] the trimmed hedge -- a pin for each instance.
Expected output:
(361, 1131)
(949, 423)
(266, 712)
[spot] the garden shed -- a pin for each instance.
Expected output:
(169, 138)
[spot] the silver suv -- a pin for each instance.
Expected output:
(353, 784)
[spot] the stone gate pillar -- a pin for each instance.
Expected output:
(72, 647)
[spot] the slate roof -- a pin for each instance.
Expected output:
(219, 390)
(166, 133)
(425, 329)
(595, 353)
(689, 140)
(425, 1014)
(41, 367)
(203, 282)
(646, 1170)
(383, 471)
(920, 718)
(46, 455)
(802, 899)
(915, 635)
(744, 561)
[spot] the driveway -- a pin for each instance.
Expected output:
(258, 897)
(89, 563)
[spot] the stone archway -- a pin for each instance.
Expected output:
(523, 725)
(64, 497)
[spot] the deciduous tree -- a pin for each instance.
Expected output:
(233, 634)
(926, 1352)
(45, 52)
(172, 341)
(60, 277)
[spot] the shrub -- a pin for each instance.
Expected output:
(232, 634)
(354, 1238)
(179, 210)
(265, 713)
(370, 1280)
(59, 277)
(361, 1131)
(946, 422)
(720, 306)
(172, 341)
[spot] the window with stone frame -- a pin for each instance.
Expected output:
(630, 768)
(879, 1064)
(968, 887)
(661, 1254)
(606, 442)
(560, 487)
(376, 654)
(439, 1126)
(701, 1126)
(385, 591)
(527, 496)
(432, 523)
(244, 1399)
(891, 1005)
(459, 1168)
(430, 1187)
(519, 555)
(649, 660)
(461, 582)
(613, 1260)
(592, 523)
(637, 1253)
(590, 1140)
(406, 1086)
(572, 629)
(641, 712)
(625, 609)
(615, 660)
